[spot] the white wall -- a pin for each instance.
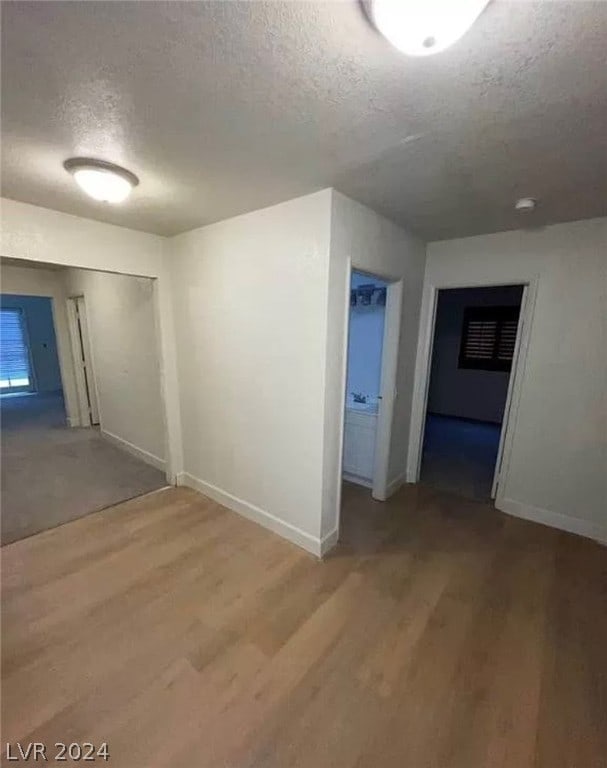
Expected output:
(250, 297)
(125, 350)
(27, 281)
(39, 234)
(370, 243)
(261, 307)
(37, 313)
(261, 303)
(466, 392)
(557, 468)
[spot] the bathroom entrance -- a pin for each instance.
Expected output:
(364, 395)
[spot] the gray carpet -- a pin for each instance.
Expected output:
(52, 474)
(459, 456)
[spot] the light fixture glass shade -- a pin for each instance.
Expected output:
(424, 27)
(102, 181)
(525, 204)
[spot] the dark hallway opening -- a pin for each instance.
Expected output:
(474, 344)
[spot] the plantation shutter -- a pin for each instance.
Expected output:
(480, 341)
(507, 340)
(14, 356)
(488, 338)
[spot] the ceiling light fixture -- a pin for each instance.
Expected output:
(100, 180)
(525, 204)
(423, 27)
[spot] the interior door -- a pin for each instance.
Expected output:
(87, 359)
(83, 361)
(381, 481)
(508, 406)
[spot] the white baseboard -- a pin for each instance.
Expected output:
(394, 485)
(391, 488)
(329, 541)
(257, 515)
(139, 453)
(366, 483)
(584, 528)
(411, 476)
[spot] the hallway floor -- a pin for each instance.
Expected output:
(440, 633)
(52, 474)
(459, 455)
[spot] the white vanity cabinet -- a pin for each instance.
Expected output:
(359, 445)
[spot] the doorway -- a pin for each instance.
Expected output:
(86, 436)
(474, 349)
(372, 352)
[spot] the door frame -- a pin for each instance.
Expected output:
(424, 365)
(390, 345)
(497, 472)
(108, 249)
(385, 410)
(82, 356)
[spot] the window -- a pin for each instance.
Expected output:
(15, 374)
(488, 338)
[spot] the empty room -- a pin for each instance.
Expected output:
(83, 428)
(303, 365)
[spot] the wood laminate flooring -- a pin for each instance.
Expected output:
(439, 633)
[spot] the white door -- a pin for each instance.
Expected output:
(508, 405)
(83, 361)
(388, 395)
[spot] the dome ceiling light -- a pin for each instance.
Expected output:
(423, 27)
(525, 204)
(100, 180)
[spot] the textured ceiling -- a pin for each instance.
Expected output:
(224, 107)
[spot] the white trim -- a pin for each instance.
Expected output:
(329, 541)
(395, 484)
(169, 385)
(421, 382)
(84, 416)
(515, 386)
(257, 515)
(586, 528)
(341, 415)
(424, 362)
(134, 450)
(389, 366)
(64, 356)
(520, 329)
(357, 479)
(87, 349)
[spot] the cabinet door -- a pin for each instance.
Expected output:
(359, 446)
(349, 460)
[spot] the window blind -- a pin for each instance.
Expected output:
(14, 355)
(488, 338)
